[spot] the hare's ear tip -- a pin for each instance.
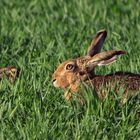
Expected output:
(122, 52)
(102, 31)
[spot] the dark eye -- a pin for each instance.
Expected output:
(70, 67)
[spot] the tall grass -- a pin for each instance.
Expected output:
(36, 36)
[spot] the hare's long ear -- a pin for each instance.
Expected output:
(104, 58)
(97, 43)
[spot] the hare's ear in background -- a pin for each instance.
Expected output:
(104, 58)
(97, 43)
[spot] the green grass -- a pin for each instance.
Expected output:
(36, 36)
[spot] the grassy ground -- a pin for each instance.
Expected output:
(36, 36)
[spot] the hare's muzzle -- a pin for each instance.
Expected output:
(54, 81)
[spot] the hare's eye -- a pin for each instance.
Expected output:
(70, 67)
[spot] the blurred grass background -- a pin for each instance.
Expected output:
(36, 36)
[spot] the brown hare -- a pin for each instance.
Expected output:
(10, 72)
(71, 73)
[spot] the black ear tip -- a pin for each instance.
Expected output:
(122, 52)
(18, 72)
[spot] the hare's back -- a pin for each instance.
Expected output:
(127, 80)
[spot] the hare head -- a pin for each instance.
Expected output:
(10, 72)
(82, 68)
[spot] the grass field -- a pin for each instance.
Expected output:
(36, 36)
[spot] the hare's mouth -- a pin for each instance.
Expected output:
(55, 83)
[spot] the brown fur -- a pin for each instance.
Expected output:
(128, 80)
(10, 72)
(71, 73)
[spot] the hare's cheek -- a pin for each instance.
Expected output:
(61, 82)
(64, 82)
(71, 78)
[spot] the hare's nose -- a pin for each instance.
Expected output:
(53, 80)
